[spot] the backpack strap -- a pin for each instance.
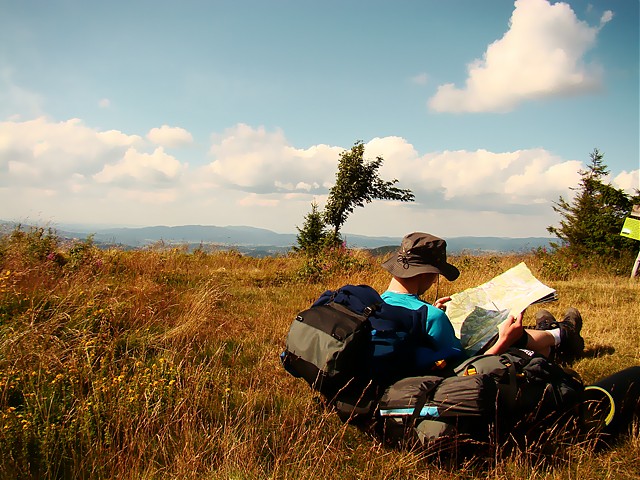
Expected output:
(461, 370)
(425, 394)
(361, 299)
(510, 389)
(506, 365)
(426, 386)
(510, 357)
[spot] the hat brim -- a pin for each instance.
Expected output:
(398, 269)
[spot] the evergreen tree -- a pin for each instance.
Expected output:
(357, 183)
(313, 235)
(591, 223)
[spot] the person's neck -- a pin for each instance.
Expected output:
(396, 286)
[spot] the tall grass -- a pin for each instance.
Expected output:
(161, 363)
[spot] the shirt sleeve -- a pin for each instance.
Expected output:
(443, 339)
(439, 328)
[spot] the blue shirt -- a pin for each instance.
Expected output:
(436, 325)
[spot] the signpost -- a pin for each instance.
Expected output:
(631, 229)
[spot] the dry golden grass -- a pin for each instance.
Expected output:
(165, 364)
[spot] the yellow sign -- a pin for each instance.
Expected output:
(631, 227)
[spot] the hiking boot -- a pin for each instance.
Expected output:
(545, 321)
(571, 343)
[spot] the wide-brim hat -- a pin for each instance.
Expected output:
(421, 253)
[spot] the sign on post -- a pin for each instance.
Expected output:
(631, 229)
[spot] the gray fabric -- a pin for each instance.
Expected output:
(429, 430)
(315, 346)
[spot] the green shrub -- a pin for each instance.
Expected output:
(33, 245)
(331, 261)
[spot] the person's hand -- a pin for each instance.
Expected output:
(509, 331)
(441, 303)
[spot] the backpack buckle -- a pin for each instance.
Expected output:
(367, 311)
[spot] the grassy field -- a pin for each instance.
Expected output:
(164, 364)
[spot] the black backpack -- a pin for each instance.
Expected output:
(533, 391)
(350, 344)
(419, 410)
(512, 394)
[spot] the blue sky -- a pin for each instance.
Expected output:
(235, 112)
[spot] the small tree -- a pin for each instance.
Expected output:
(591, 223)
(313, 235)
(357, 183)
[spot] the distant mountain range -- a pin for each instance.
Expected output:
(261, 242)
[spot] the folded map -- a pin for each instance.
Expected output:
(476, 312)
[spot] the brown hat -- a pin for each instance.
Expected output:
(421, 253)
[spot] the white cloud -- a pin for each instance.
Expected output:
(606, 17)
(116, 138)
(541, 55)
(20, 169)
(104, 103)
(170, 136)
(542, 176)
(53, 151)
(476, 177)
(628, 181)
(300, 186)
(254, 159)
(67, 170)
(157, 168)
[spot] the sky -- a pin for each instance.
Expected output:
(140, 113)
